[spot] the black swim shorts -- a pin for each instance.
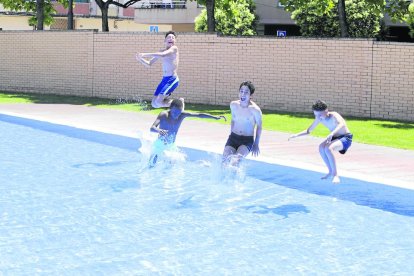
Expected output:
(235, 141)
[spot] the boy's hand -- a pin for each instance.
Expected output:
(222, 117)
(329, 138)
(163, 132)
(255, 150)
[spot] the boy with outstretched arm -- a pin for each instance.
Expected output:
(167, 125)
(339, 138)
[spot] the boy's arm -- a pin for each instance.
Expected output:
(147, 63)
(258, 118)
(155, 126)
(203, 116)
(306, 131)
(167, 52)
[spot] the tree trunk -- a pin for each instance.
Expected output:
(39, 14)
(70, 15)
(105, 25)
(343, 24)
(211, 22)
(104, 6)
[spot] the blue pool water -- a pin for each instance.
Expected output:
(76, 202)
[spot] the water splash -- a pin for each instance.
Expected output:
(154, 152)
(136, 100)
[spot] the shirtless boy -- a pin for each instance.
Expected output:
(246, 120)
(339, 138)
(167, 125)
(170, 58)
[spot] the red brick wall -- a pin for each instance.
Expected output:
(356, 77)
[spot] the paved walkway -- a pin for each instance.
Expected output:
(371, 163)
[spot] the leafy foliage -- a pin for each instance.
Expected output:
(30, 7)
(363, 19)
(361, 15)
(232, 18)
(409, 18)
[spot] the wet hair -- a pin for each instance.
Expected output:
(319, 106)
(170, 32)
(177, 104)
(249, 84)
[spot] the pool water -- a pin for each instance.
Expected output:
(76, 202)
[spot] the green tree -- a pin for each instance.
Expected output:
(397, 9)
(409, 18)
(104, 7)
(42, 9)
(403, 11)
(210, 14)
(231, 18)
(362, 20)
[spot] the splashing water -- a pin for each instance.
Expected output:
(155, 152)
(141, 103)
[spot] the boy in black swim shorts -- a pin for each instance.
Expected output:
(245, 123)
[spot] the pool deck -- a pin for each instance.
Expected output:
(366, 162)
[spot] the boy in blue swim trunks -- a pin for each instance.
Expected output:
(170, 58)
(167, 125)
(246, 120)
(340, 138)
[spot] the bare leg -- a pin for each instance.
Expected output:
(160, 101)
(227, 153)
(237, 156)
(153, 160)
(182, 99)
(329, 150)
(322, 151)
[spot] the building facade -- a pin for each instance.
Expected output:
(165, 15)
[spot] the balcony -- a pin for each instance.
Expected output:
(162, 4)
(166, 12)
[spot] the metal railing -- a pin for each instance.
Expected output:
(162, 4)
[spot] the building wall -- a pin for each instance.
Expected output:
(168, 16)
(270, 12)
(356, 77)
(21, 23)
(16, 22)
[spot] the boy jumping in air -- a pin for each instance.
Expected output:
(170, 58)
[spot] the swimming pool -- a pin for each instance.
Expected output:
(74, 201)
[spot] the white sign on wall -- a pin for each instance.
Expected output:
(281, 33)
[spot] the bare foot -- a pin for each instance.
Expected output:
(326, 176)
(182, 99)
(336, 180)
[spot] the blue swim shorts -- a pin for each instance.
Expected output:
(346, 141)
(167, 86)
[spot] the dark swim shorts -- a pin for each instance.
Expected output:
(346, 140)
(235, 141)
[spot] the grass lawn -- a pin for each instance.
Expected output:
(376, 132)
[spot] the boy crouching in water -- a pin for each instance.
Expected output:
(167, 125)
(340, 138)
